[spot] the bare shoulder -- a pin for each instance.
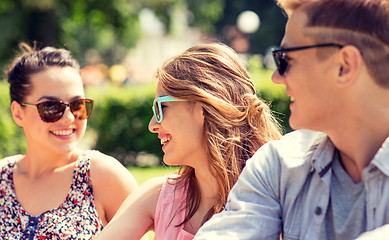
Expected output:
(105, 167)
(111, 183)
(99, 159)
(9, 159)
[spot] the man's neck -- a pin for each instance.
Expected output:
(358, 148)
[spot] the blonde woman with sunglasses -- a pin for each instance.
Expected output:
(210, 121)
(54, 190)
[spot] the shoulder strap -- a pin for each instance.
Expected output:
(81, 175)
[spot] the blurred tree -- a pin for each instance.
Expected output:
(86, 27)
(11, 28)
(100, 30)
(200, 13)
(271, 28)
(206, 13)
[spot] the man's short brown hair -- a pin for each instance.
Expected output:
(362, 23)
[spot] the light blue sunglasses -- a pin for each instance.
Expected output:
(157, 107)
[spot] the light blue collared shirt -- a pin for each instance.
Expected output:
(285, 189)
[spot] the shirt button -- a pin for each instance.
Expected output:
(318, 210)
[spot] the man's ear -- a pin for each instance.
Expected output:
(350, 65)
(17, 113)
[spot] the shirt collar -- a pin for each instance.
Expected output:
(322, 152)
(380, 159)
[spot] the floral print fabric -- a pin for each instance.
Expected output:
(75, 218)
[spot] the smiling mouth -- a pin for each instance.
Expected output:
(62, 132)
(165, 140)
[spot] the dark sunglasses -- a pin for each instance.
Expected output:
(53, 110)
(282, 61)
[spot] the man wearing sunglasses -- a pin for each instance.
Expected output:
(329, 179)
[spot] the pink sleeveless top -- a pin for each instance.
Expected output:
(170, 212)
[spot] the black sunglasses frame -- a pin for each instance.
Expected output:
(42, 109)
(282, 62)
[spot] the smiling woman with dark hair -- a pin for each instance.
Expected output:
(55, 191)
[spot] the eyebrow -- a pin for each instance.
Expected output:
(162, 96)
(56, 98)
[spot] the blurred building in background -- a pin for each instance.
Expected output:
(155, 45)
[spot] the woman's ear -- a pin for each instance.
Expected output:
(198, 110)
(17, 113)
(350, 65)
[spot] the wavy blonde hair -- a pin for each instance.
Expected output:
(236, 121)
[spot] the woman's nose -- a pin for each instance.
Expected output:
(153, 125)
(68, 115)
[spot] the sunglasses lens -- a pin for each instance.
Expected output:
(280, 61)
(81, 108)
(283, 64)
(157, 111)
(51, 111)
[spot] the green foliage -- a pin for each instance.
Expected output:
(143, 174)
(273, 94)
(271, 27)
(11, 135)
(107, 27)
(85, 27)
(120, 118)
(101, 30)
(206, 13)
(93, 30)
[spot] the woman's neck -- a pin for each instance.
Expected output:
(208, 191)
(35, 164)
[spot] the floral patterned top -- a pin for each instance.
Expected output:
(75, 218)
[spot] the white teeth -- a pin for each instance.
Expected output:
(164, 140)
(63, 132)
(292, 99)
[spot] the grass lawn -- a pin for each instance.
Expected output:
(142, 174)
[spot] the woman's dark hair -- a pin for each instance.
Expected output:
(33, 61)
